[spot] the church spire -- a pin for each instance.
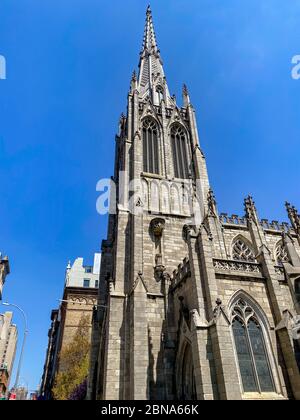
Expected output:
(149, 41)
(151, 81)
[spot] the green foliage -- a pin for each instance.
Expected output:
(73, 363)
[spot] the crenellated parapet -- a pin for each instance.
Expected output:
(233, 220)
(274, 225)
(267, 225)
(181, 274)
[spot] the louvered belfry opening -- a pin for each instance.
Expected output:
(150, 146)
(180, 153)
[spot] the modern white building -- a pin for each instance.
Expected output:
(80, 275)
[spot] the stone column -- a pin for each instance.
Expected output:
(139, 352)
(220, 330)
(292, 269)
(274, 291)
(294, 218)
(199, 322)
(139, 355)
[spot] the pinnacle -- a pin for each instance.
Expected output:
(149, 34)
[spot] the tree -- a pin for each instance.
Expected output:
(79, 392)
(73, 363)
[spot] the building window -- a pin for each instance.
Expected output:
(96, 284)
(86, 283)
(88, 269)
(251, 350)
(241, 251)
(150, 146)
(297, 290)
(160, 94)
(180, 152)
(281, 254)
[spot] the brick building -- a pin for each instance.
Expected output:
(8, 346)
(79, 297)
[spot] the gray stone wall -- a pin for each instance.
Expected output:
(163, 326)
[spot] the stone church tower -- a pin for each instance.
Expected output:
(193, 304)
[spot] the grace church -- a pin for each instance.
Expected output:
(203, 310)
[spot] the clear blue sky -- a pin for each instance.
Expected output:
(69, 64)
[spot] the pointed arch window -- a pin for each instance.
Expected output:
(241, 251)
(281, 254)
(297, 289)
(160, 93)
(251, 350)
(150, 146)
(180, 152)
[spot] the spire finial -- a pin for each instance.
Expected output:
(186, 96)
(151, 73)
(149, 36)
(293, 216)
(134, 78)
(133, 83)
(250, 209)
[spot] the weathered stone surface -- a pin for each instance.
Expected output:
(170, 286)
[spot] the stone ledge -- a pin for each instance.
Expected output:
(268, 396)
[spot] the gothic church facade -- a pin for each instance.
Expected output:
(189, 307)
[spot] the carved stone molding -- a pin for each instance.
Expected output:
(240, 266)
(250, 209)
(187, 231)
(82, 300)
(157, 227)
(212, 204)
(219, 311)
(139, 278)
(159, 268)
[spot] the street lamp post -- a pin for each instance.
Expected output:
(24, 341)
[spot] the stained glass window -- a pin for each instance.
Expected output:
(244, 356)
(251, 350)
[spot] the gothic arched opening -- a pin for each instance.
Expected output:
(150, 146)
(180, 152)
(297, 289)
(187, 385)
(251, 350)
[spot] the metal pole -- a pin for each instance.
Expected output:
(24, 341)
(20, 361)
